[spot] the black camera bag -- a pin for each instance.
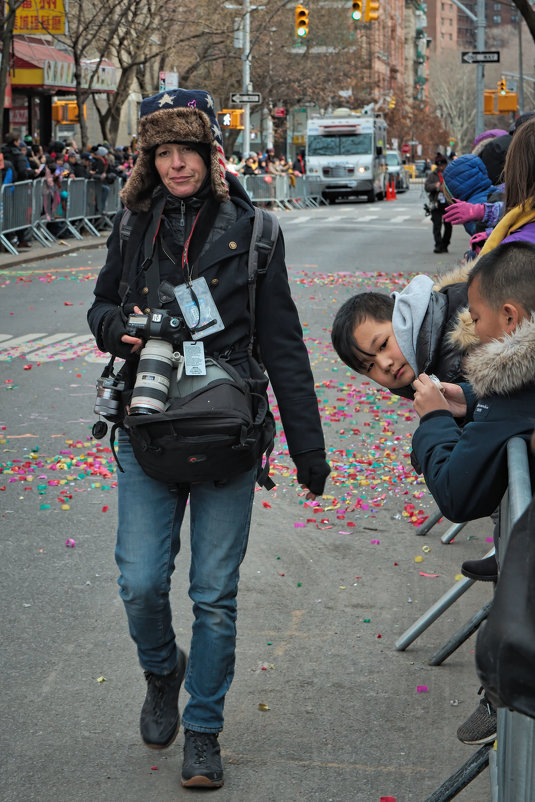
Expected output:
(218, 430)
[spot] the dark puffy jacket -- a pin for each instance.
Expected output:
(14, 155)
(493, 157)
(466, 469)
(466, 179)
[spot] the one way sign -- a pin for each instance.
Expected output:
(480, 56)
(245, 97)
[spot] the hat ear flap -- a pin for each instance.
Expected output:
(137, 192)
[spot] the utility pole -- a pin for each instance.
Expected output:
(481, 24)
(246, 81)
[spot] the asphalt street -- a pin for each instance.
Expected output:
(323, 707)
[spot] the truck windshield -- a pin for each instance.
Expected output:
(344, 145)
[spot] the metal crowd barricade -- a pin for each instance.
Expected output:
(75, 214)
(515, 755)
(16, 206)
(39, 215)
(512, 764)
(314, 188)
(112, 202)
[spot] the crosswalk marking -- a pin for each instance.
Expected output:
(39, 348)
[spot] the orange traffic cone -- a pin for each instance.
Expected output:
(393, 195)
(388, 193)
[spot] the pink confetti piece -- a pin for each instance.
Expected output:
(422, 573)
(422, 689)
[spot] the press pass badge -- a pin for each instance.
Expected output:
(194, 359)
(198, 308)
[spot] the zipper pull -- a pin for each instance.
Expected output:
(182, 214)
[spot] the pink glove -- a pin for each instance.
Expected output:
(463, 212)
(477, 241)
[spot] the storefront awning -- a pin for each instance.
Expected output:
(40, 65)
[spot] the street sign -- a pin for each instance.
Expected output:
(245, 97)
(480, 56)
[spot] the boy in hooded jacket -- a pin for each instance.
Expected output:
(425, 328)
(466, 469)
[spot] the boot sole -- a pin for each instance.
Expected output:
(480, 742)
(201, 782)
(480, 577)
(165, 745)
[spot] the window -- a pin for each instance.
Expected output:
(497, 19)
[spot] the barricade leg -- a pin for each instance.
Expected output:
(448, 536)
(435, 611)
(429, 524)
(463, 776)
(460, 636)
(8, 246)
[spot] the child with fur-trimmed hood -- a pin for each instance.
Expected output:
(466, 469)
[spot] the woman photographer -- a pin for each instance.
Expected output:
(190, 222)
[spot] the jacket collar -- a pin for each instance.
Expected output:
(504, 366)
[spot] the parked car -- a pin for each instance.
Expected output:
(396, 171)
(421, 167)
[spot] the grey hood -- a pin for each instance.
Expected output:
(410, 307)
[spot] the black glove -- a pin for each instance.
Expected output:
(112, 329)
(312, 470)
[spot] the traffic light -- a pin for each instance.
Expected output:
(230, 118)
(301, 21)
(356, 9)
(488, 102)
(502, 86)
(392, 103)
(371, 11)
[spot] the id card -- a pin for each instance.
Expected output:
(198, 308)
(194, 363)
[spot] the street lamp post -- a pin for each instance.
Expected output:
(246, 80)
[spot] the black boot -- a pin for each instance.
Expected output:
(202, 760)
(159, 715)
(485, 570)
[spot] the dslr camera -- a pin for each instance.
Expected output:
(163, 334)
(108, 400)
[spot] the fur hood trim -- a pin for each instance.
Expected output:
(190, 119)
(455, 276)
(462, 336)
(504, 366)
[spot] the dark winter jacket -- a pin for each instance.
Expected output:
(466, 469)
(223, 263)
(493, 157)
(18, 161)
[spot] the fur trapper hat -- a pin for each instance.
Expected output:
(178, 115)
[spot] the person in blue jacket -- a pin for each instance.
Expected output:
(467, 179)
(466, 468)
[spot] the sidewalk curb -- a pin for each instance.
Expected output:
(36, 254)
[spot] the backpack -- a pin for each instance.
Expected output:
(217, 425)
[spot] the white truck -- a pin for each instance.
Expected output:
(347, 151)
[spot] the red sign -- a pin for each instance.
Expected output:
(405, 148)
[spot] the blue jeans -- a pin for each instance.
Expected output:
(148, 541)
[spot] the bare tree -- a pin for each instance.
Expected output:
(87, 34)
(7, 23)
(528, 13)
(454, 92)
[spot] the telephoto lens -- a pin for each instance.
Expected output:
(153, 378)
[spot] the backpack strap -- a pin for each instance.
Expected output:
(263, 242)
(125, 229)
